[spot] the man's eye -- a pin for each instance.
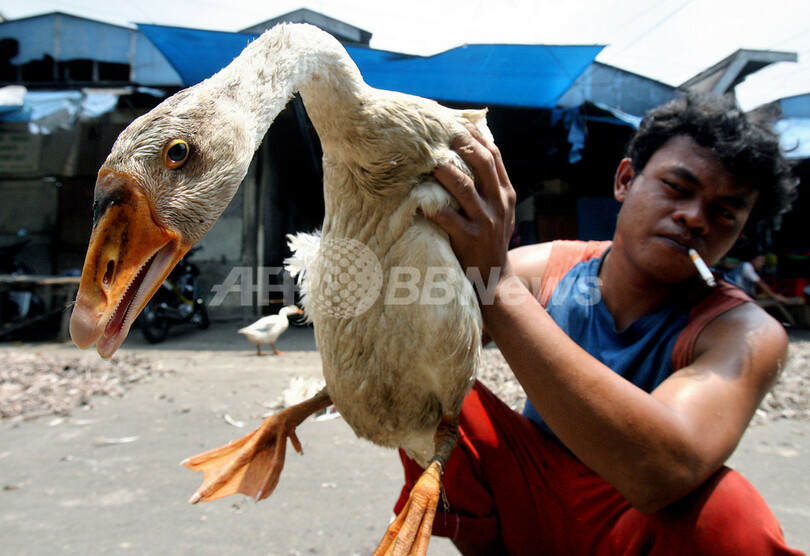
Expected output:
(674, 186)
(727, 215)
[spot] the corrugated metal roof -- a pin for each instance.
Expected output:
(66, 37)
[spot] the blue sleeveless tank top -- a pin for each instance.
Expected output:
(642, 353)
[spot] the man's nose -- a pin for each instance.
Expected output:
(692, 214)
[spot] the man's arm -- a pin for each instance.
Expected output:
(529, 263)
(654, 448)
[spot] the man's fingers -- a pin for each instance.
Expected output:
(448, 220)
(460, 186)
(480, 137)
(484, 158)
(474, 152)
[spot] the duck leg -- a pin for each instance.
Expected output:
(275, 349)
(410, 531)
(252, 465)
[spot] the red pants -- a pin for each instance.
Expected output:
(509, 481)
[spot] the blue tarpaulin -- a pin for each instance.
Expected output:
(796, 107)
(794, 135)
(794, 127)
(47, 110)
(489, 74)
(194, 53)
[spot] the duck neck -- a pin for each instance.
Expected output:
(302, 58)
(289, 59)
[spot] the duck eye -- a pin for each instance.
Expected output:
(175, 154)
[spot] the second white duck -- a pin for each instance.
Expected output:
(266, 330)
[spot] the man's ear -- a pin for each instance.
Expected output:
(624, 177)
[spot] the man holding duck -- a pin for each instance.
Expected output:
(640, 390)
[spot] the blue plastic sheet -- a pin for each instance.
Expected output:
(488, 74)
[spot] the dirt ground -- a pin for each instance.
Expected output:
(105, 479)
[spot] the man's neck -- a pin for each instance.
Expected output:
(629, 294)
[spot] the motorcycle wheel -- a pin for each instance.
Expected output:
(154, 329)
(200, 317)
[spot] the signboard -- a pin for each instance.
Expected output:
(19, 151)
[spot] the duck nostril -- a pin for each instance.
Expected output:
(108, 275)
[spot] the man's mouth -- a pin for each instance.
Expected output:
(680, 242)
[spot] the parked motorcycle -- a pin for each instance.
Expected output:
(177, 301)
(17, 306)
(9, 256)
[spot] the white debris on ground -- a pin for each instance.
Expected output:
(300, 389)
(789, 399)
(497, 376)
(34, 384)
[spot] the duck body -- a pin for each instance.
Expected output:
(394, 369)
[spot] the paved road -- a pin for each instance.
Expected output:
(68, 488)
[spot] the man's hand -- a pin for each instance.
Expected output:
(480, 233)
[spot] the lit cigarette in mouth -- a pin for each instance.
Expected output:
(703, 270)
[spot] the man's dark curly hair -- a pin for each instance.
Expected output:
(745, 144)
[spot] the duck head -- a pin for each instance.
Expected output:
(168, 178)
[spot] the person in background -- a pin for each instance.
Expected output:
(746, 275)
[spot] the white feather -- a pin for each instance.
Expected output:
(304, 248)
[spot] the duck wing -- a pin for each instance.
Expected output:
(262, 326)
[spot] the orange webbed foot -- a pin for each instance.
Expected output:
(252, 465)
(410, 532)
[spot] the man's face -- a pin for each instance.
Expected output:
(683, 198)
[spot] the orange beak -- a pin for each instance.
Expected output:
(129, 256)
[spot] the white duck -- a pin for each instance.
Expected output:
(397, 371)
(267, 329)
